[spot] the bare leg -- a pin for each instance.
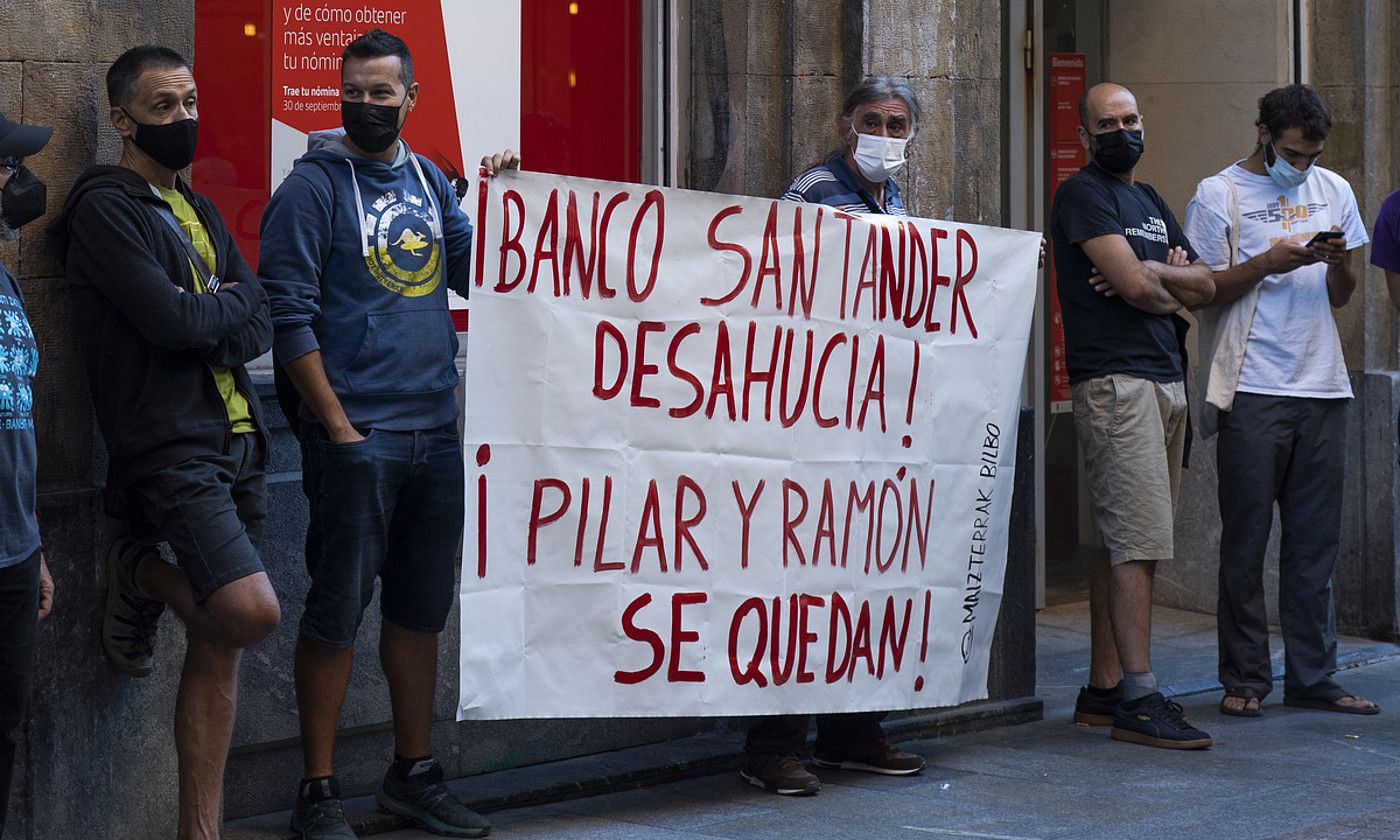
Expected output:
(1130, 603)
(235, 616)
(1104, 670)
(240, 614)
(409, 661)
(204, 713)
(322, 678)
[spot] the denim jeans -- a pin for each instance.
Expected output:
(389, 506)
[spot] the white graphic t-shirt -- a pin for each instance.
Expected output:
(1293, 349)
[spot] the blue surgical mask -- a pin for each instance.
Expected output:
(1282, 171)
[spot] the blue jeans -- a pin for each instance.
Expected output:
(19, 609)
(389, 506)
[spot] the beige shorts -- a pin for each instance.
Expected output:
(1132, 432)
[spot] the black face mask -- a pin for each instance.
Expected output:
(169, 144)
(1117, 151)
(373, 128)
(23, 200)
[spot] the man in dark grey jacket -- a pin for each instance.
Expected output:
(167, 312)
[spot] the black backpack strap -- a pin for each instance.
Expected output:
(288, 399)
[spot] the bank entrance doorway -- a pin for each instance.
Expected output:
(1061, 53)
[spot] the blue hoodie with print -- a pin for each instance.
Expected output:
(357, 257)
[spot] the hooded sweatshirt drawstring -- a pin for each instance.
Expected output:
(435, 219)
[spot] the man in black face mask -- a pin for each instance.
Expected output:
(167, 312)
(359, 247)
(26, 590)
(1124, 270)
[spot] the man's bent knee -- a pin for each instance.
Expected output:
(256, 624)
(245, 610)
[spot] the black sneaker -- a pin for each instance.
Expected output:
(425, 799)
(1157, 722)
(874, 757)
(782, 774)
(324, 818)
(130, 619)
(1096, 709)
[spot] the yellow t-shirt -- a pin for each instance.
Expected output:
(240, 416)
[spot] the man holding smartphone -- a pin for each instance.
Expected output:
(1277, 228)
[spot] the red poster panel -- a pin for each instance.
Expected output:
(234, 136)
(306, 68)
(1065, 157)
(1066, 87)
(580, 88)
(1064, 162)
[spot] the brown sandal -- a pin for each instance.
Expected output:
(1248, 695)
(1333, 705)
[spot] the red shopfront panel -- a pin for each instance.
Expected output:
(580, 87)
(579, 75)
(232, 70)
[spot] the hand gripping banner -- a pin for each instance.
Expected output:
(733, 456)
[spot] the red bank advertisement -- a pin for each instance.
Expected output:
(519, 74)
(1066, 156)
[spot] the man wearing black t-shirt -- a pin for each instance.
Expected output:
(1125, 269)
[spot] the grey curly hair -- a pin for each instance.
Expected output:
(876, 88)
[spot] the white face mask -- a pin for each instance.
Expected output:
(879, 158)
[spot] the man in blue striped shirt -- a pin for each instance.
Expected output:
(879, 116)
(859, 177)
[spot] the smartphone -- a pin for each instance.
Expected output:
(1323, 236)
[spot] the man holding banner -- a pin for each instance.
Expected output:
(359, 247)
(1125, 270)
(879, 116)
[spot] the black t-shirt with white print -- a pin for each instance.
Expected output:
(1105, 335)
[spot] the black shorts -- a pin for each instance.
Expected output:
(211, 511)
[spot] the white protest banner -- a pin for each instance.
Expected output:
(732, 456)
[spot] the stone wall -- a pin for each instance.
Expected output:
(1352, 55)
(769, 80)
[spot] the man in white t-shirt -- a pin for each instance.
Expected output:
(1275, 384)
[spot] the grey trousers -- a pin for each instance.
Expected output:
(1291, 450)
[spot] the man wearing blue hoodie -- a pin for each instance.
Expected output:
(359, 247)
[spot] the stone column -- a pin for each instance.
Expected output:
(1198, 69)
(1351, 61)
(767, 81)
(950, 50)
